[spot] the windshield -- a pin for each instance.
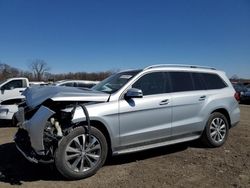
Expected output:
(115, 82)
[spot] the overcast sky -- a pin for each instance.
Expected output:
(97, 35)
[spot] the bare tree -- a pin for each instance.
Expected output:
(39, 67)
(6, 71)
(95, 76)
(39, 71)
(27, 74)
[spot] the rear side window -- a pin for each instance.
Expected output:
(198, 81)
(213, 81)
(181, 81)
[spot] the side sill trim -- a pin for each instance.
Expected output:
(150, 146)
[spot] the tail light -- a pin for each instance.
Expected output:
(237, 96)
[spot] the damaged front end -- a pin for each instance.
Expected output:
(29, 138)
(41, 126)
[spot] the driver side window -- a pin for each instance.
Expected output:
(151, 84)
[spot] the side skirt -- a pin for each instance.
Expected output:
(169, 141)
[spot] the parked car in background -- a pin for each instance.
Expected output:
(10, 95)
(76, 83)
(238, 88)
(128, 112)
(38, 84)
(243, 92)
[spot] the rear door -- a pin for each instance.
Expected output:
(188, 100)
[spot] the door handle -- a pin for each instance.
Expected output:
(21, 91)
(164, 102)
(202, 98)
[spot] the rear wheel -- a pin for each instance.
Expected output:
(78, 157)
(216, 130)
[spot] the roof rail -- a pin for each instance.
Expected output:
(178, 65)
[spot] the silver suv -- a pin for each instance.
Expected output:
(128, 112)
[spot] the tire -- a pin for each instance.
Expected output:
(73, 162)
(216, 131)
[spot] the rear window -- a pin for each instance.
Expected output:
(213, 81)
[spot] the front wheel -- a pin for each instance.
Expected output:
(78, 157)
(216, 130)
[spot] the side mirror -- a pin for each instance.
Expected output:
(134, 93)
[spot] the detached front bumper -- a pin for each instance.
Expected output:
(29, 137)
(23, 144)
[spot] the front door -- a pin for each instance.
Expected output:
(146, 119)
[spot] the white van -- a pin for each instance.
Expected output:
(10, 95)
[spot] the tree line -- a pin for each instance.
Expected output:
(39, 71)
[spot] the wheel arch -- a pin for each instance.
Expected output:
(101, 127)
(225, 113)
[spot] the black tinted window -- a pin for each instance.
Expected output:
(213, 81)
(13, 84)
(85, 85)
(69, 84)
(198, 81)
(152, 83)
(167, 83)
(181, 81)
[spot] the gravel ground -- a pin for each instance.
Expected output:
(182, 165)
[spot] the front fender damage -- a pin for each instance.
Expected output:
(38, 136)
(35, 128)
(50, 113)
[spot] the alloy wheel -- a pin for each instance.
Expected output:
(81, 154)
(218, 130)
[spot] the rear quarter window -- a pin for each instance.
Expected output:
(213, 81)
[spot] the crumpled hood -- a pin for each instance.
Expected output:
(37, 95)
